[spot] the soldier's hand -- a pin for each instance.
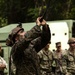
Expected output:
(43, 22)
(40, 23)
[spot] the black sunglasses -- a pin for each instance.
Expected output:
(58, 46)
(71, 43)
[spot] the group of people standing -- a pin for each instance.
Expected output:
(30, 54)
(58, 62)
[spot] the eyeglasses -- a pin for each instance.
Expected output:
(58, 46)
(71, 43)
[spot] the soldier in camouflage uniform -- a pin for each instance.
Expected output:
(57, 60)
(69, 58)
(45, 58)
(25, 46)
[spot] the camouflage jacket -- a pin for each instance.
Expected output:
(69, 62)
(58, 61)
(24, 52)
(45, 59)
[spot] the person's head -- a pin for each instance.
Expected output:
(58, 46)
(15, 35)
(18, 35)
(71, 43)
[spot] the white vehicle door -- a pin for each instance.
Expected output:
(59, 33)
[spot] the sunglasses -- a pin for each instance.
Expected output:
(58, 46)
(71, 43)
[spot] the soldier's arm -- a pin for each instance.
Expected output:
(33, 33)
(29, 36)
(64, 64)
(36, 30)
(42, 41)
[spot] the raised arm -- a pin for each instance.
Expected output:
(33, 33)
(41, 41)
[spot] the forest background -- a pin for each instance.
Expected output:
(15, 11)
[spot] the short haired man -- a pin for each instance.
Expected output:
(45, 58)
(69, 58)
(57, 59)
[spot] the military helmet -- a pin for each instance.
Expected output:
(15, 31)
(71, 40)
(11, 37)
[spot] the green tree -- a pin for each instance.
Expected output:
(3, 13)
(14, 11)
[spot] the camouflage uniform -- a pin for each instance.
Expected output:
(69, 63)
(45, 58)
(69, 59)
(57, 62)
(24, 52)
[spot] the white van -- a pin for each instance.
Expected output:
(59, 33)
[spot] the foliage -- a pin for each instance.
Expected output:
(3, 13)
(3, 22)
(33, 12)
(14, 11)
